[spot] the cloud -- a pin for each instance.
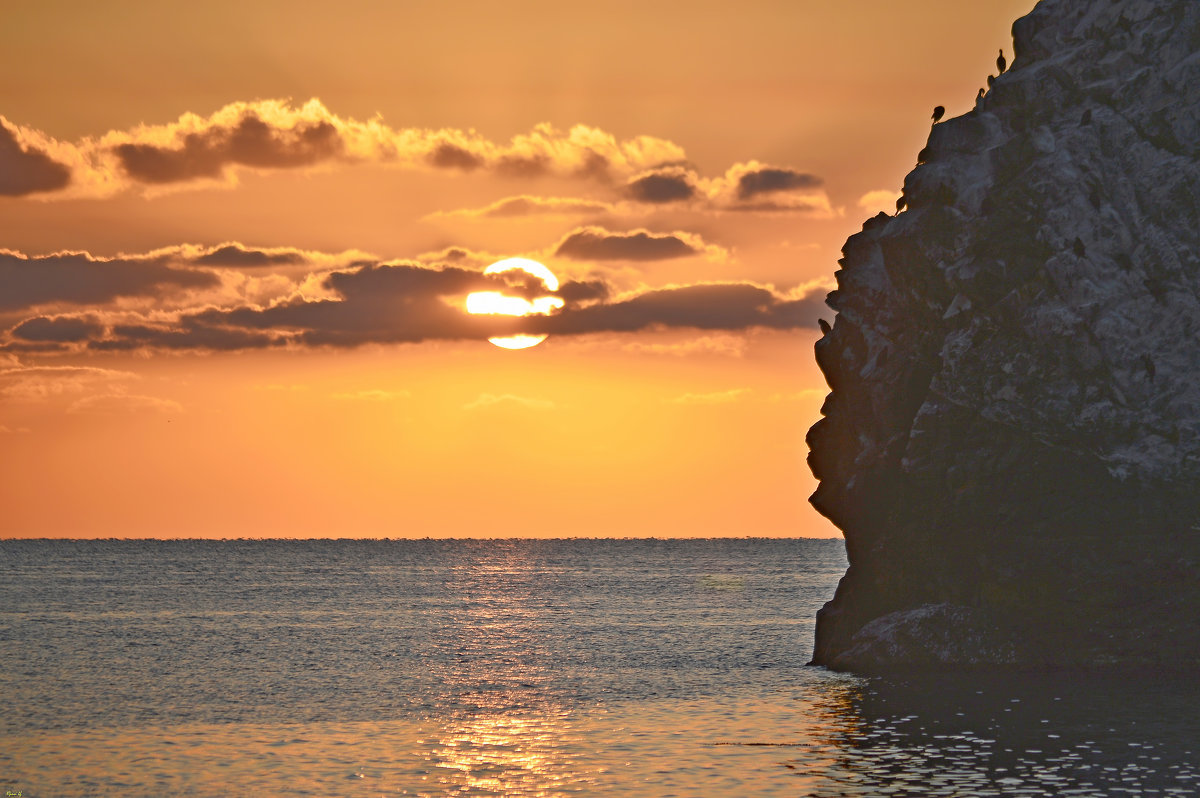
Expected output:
(769, 180)
(806, 395)
(526, 205)
(372, 395)
(77, 278)
(673, 184)
(39, 383)
(744, 187)
(274, 134)
(758, 187)
(490, 400)
(712, 306)
(730, 345)
(453, 156)
(13, 430)
(234, 254)
(250, 141)
(379, 303)
(361, 301)
(129, 337)
(60, 329)
(596, 243)
(581, 291)
(123, 403)
(277, 135)
(716, 398)
(883, 199)
(24, 167)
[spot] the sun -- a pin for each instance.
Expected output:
(503, 304)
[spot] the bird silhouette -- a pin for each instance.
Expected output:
(900, 203)
(824, 325)
(1001, 64)
(938, 113)
(990, 80)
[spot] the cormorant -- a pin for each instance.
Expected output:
(1001, 64)
(980, 95)
(991, 80)
(938, 113)
(900, 203)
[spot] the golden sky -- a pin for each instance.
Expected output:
(236, 241)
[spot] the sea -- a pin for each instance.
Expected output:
(519, 668)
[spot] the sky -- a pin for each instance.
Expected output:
(236, 242)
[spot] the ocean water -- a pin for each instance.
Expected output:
(517, 668)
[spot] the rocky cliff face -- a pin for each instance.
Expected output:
(1012, 441)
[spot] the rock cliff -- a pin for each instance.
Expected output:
(1012, 441)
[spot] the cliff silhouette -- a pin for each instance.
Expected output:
(1012, 441)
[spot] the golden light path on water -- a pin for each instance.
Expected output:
(496, 302)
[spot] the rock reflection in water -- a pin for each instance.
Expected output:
(1026, 734)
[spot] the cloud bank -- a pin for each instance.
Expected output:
(351, 300)
(274, 135)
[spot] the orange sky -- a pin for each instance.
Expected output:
(235, 244)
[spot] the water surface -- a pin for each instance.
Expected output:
(515, 668)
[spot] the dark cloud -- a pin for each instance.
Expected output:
(672, 185)
(769, 179)
(723, 306)
(452, 156)
(25, 170)
(126, 337)
(595, 166)
(237, 255)
(576, 291)
(386, 303)
(251, 142)
(514, 165)
(60, 329)
(34, 347)
(76, 278)
(367, 303)
(595, 243)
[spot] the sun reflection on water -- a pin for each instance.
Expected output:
(505, 754)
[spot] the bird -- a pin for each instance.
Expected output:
(1001, 64)
(824, 325)
(990, 80)
(980, 95)
(900, 203)
(938, 113)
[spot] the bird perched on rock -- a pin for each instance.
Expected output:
(1001, 64)
(938, 113)
(900, 203)
(990, 80)
(824, 325)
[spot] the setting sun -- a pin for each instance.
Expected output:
(503, 304)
